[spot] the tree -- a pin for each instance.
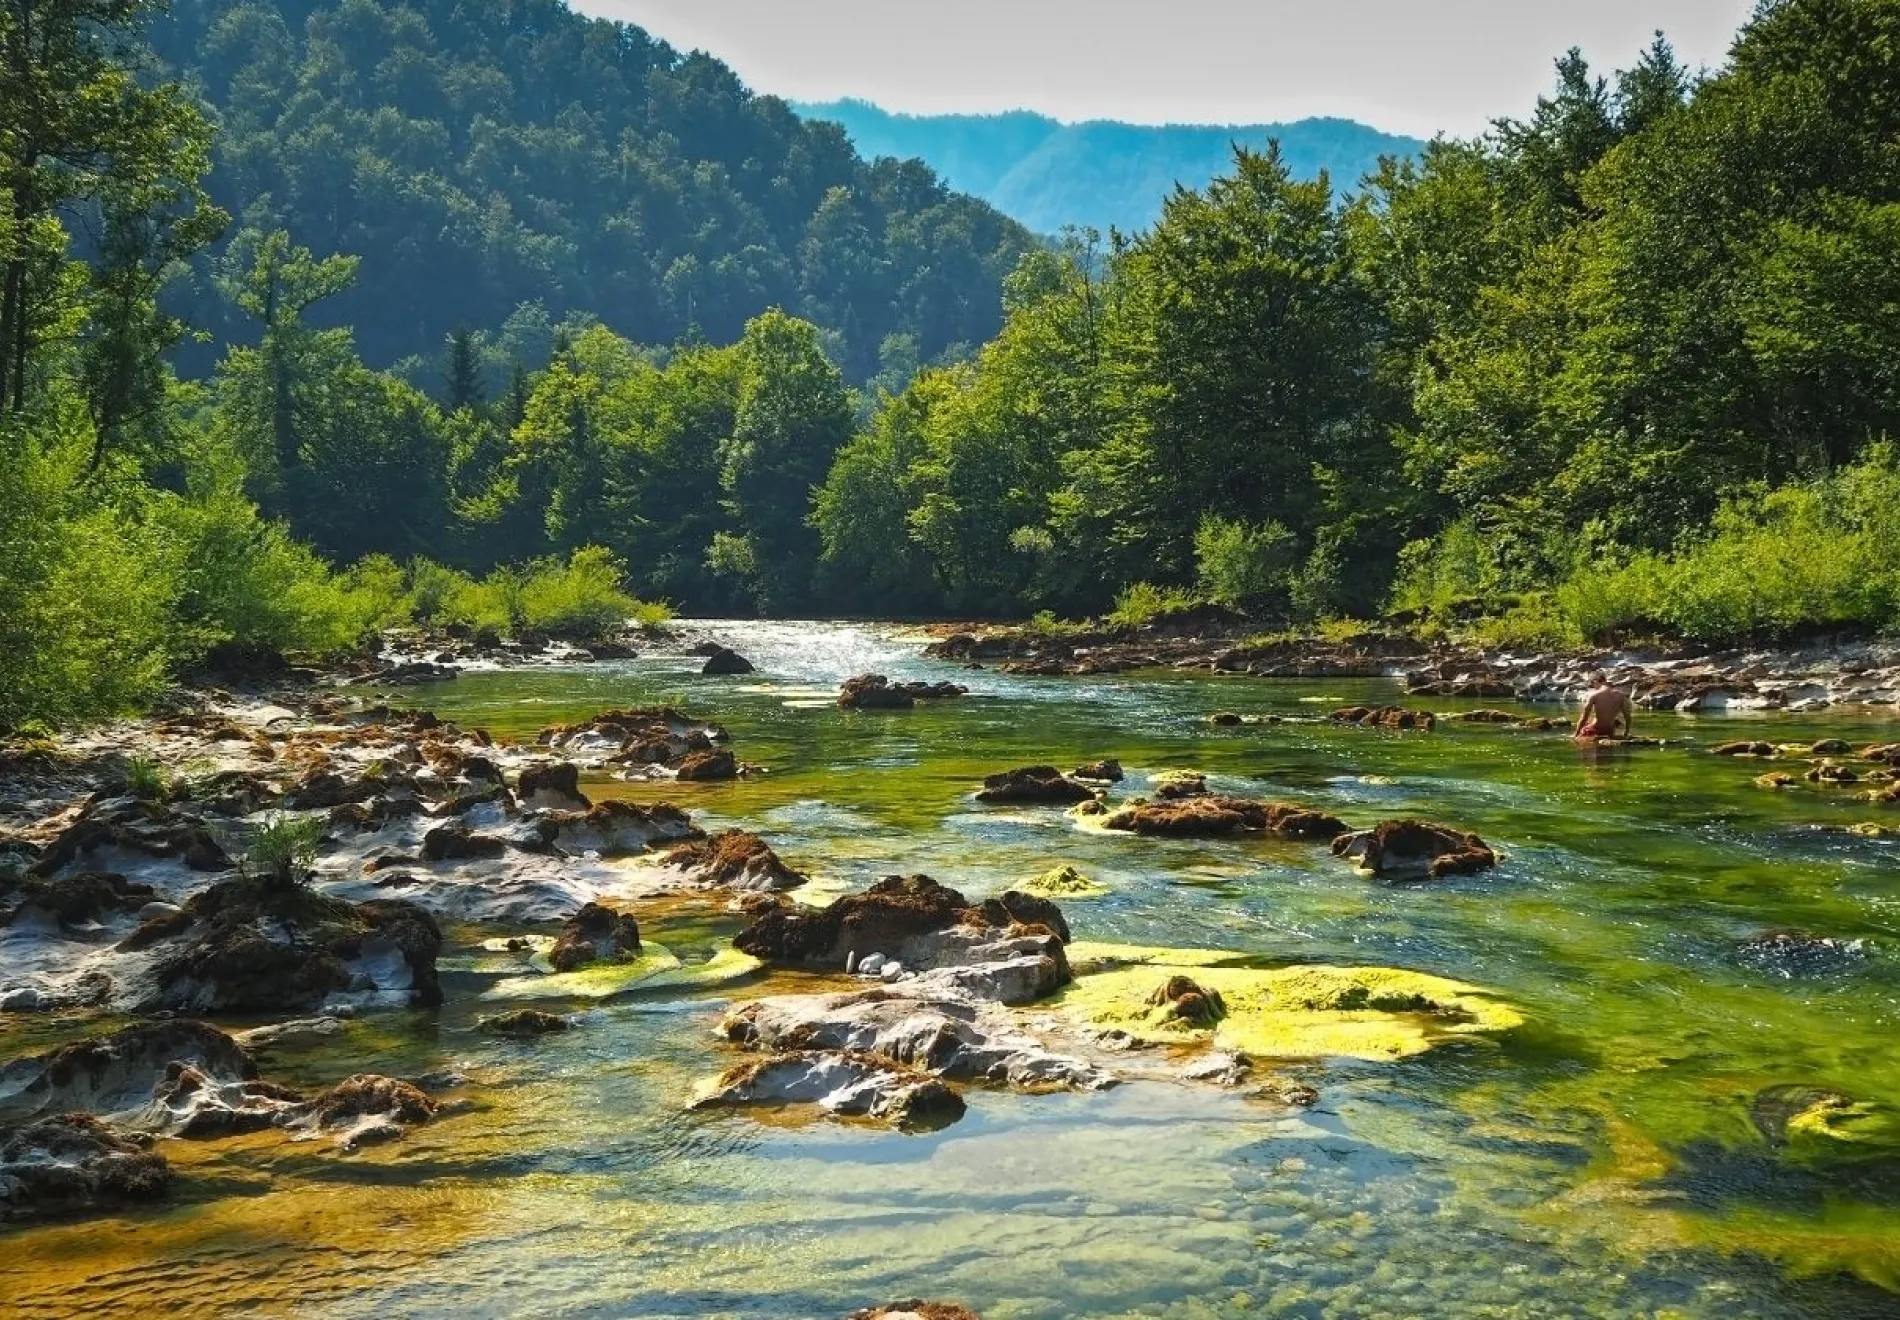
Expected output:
(794, 415)
(462, 386)
(83, 137)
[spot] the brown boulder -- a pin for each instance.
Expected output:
(552, 784)
(709, 767)
(1212, 816)
(874, 692)
(595, 934)
(250, 949)
(734, 860)
(1038, 784)
(915, 1309)
(893, 910)
(1386, 717)
(726, 662)
(73, 1163)
(1412, 848)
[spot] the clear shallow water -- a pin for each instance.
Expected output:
(1601, 1161)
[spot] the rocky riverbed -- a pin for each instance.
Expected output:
(306, 926)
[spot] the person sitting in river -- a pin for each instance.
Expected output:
(1607, 713)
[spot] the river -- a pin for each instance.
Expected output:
(1606, 1159)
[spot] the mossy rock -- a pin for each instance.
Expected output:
(1064, 882)
(1302, 1012)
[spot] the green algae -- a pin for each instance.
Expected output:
(1065, 882)
(1304, 1012)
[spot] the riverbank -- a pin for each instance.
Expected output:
(1797, 679)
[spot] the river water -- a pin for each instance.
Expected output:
(1607, 1159)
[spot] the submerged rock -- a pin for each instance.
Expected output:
(1413, 849)
(1799, 1115)
(1482, 717)
(1105, 772)
(525, 1023)
(733, 860)
(595, 934)
(1386, 717)
(1181, 997)
(845, 1083)
(915, 1309)
(364, 1110)
(1795, 953)
(73, 1164)
(726, 662)
(1745, 748)
(1213, 816)
(1037, 784)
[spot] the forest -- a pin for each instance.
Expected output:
(321, 317)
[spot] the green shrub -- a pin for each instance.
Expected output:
(1241, 565)
(1821, 554)
(146, 780)
(283, 851)
(581, 598)
(1144, 603)
(433, 589)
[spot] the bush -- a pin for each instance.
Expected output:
(580, 599)
(1824, 554)
(146, 780)
(283, 851)
(1144, 603)
(1240, 565)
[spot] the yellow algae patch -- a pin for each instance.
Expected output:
(723, 968)
(596, 982)
(1301, 1012)
(1087, 957)
(1064, 882)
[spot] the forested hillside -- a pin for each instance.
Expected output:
(480, 157)
(1626, 363)
(1103, 173)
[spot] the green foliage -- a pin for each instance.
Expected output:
(481, 158)
(1821, 554)
(283, 851)
(1144, 603)
(1239, 565)
(146, 779)
(582, 598)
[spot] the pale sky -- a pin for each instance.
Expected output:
(1406, 66)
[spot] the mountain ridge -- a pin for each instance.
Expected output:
(1047, 173)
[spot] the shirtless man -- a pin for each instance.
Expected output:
(1607, 707)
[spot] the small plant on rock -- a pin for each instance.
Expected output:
(284, 851)
(146, 780)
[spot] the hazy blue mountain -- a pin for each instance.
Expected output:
(1047, 174)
